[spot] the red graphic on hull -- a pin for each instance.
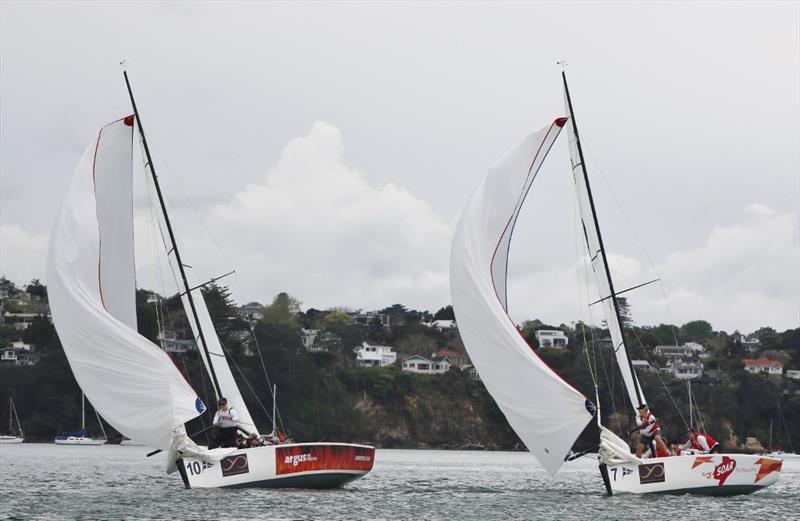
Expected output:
(303, 458)
(724, 469)
(768, 466)
(699, 460)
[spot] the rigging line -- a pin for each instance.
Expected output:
(658, 375)
(221, 252)
(266, 374)
(785, 427)
(638, 240)
(247, 382)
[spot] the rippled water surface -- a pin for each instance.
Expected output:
(43, 481)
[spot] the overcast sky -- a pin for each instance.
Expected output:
(329, 148)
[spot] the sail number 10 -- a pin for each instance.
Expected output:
(194, 467)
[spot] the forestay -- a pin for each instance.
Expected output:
(599, 267)
(90, 278)
(545, 411)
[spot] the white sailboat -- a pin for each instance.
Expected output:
(131, 381)
(545, 411)
(12, 437)
(80, 437)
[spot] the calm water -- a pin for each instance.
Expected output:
(43, 481)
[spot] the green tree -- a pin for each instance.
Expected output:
(445, 313)
(696, 331)
(283, 311)
(36, 289)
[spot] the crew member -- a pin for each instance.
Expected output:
(649, 431)
(701, 442)
(226, 421)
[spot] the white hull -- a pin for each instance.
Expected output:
(131, 443)
(11, 439)
(707, 474)
(785, 456)
(79, 440)
(290, 465)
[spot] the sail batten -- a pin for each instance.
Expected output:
(545, 411)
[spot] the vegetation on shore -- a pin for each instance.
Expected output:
(326, 396)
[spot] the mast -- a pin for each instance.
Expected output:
(19, 425)
(274, 402)
(11, 423)
(691, 411)
(613, 295)
(187, 287)
(83, 413)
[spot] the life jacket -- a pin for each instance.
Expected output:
(648, 430)
(711, 441)
(661, 453)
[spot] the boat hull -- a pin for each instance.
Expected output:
(291, 465)
(76, 440)
(703, 474)
(11, 439)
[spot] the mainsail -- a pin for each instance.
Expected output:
(546, 412)
(597, 256)
(90, 278)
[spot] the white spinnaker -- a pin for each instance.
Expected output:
(218, 360)
(545, 411)
(128, 379)
(599, 268)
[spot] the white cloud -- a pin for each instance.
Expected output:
(22, 253)
(320, 230)
(743, 276)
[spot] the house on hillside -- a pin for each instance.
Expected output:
(686, 370)
(362, 318)
(171, 344)
(763, 365)
(458, 360)
(749, 344)
(674, 352)
(252, 311)
(643, 366)
(421, 365)
(551, 338)
(374, 356)
(442, 326)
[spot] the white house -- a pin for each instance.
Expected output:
(697, 348)
(642, 366)
(252, 311)
(686, 370)
(308, 336)
(749, 344)
(763, 365)
(673, 352)
(362, 318)
(551, 338)
(793, 373)
(318, 340)
(169, 341)
(421, 365)
(374, 356)
(443, 326)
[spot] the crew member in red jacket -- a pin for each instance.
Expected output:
(701, 442)
(649, 431)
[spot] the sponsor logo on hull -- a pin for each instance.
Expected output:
(235, 465)
(767, 466)
(322, 457)
(651, 473)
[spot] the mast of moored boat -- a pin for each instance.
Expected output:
(613, 295)
(187, 288)
(11, 423)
